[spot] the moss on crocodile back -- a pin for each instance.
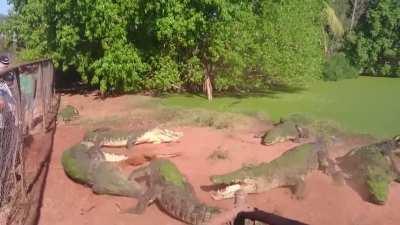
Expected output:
(78, 160)
(378, 182)
(73, 165)
(368, 165)
(170, 173)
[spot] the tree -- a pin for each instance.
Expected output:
(375, 46)
(358, 9)
(174, 45)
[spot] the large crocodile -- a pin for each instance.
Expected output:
(289, 169)
(284, 131)
(296, 127)
(373, 167)
(168, 187)
(113, 138)
(120, 138)
(87, 164)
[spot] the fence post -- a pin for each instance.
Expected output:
(43, 97)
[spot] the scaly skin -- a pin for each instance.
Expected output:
(85, 163)
(296, 127)
(374, 167)
(289, 169)
(283, 131)
(173, 193)
(113, 138)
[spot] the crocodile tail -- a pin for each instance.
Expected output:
(203, 214)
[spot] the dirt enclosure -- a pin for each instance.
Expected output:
(325, 203)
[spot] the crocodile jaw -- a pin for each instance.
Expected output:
(248, 186)
(116, 143)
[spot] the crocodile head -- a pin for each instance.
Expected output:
(76, 160)
(283, 131)
(232, 182)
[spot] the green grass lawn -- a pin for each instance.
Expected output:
(366, 105)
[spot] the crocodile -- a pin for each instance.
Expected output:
(296, 127)
(289, 170)
(172, 192)
(120, 138)
(113, 138)
(284, 131)
(373, 167)
(68, 113)
(86, 164)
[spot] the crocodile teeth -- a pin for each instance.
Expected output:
(227, 192)
(114, 157)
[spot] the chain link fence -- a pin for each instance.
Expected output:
(28, 107)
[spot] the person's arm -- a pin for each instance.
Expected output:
(2, 101)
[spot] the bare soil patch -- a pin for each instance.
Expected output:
(68, 203)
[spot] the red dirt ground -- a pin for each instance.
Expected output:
(68, 203)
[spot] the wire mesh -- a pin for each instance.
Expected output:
(26, 109)
(10, 136)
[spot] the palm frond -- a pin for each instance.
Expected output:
(333, 22)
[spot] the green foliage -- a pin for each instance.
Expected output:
(165, 75)
(338, 67)
(334, 22)
(342, 10)
(375, 44)
(120, 69)
(172, 45)
(292, 51)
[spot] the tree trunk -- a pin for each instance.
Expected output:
(325, 41)
(207, 85)
(353, 15)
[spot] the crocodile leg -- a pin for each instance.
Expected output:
(140, 172)
(324, 162)
(143, 201)
(298, 187)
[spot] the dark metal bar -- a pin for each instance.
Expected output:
(265, 217)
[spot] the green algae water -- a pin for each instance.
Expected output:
(366, 105)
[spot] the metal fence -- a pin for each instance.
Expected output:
(28, 107)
